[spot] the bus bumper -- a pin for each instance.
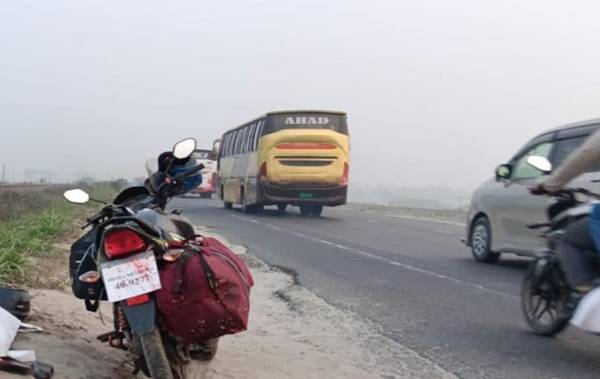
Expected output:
(304, 194)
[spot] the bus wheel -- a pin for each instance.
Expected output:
(316, 210)
(305, 210)
(227, 205)
(252, 208)
(281, 208)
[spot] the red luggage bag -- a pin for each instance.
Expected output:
(205, 294)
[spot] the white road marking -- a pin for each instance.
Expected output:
(437, 275)
(323, 241)
(391, 262)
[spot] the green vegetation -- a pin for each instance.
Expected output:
(39, 218)
(29, 234)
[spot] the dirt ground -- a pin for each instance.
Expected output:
(292, 334)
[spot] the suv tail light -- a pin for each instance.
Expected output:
(123, 242)
(263, 170)
(344, 180)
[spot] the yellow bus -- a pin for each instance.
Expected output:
(298, 158)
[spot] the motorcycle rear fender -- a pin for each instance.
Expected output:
(142, 317)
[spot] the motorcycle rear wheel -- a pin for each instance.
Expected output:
(154, 353)
(544, 297)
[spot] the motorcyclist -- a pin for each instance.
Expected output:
(581, 268)
(172, 167)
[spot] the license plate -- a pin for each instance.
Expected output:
(131, 276)
(306, 195)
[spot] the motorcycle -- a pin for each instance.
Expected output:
(120, 258)
(548, 301)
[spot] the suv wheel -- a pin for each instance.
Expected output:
(481, 241)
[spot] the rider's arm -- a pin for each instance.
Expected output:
(579, 161)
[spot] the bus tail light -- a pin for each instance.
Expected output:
(305, 146)
(263, 170)
(123, 242)
(344, 180)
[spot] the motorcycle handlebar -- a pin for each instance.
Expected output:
(569, 193)
(189, 173)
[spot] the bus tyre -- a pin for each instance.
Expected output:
(316, 210)
(227, 205)
(305, 210)
(252, 208)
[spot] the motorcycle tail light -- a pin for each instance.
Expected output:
(138, 300)
(123, 242)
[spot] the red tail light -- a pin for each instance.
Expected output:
(344, 180)
(123, 242)
(305, 146)
(263, 170)
(137, 300)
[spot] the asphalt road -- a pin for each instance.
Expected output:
(417, 282)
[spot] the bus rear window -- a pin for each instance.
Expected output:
(329, 121)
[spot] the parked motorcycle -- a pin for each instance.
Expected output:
(136, 254)
(549, 302)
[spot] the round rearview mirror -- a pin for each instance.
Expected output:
(540, 163)
(76, 196)
(184, 148)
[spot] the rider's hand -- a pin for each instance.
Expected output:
(538, 189)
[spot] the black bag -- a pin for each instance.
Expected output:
(82, 260)
(15, 301)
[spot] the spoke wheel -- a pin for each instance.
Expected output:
(544, 299)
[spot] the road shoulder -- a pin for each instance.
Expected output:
(293, 334)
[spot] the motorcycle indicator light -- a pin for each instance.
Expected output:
(172, 255)
(123, 242)
(90, 277)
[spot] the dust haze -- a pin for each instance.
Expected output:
(437, 93)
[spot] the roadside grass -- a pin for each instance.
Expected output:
(29, 238)
(15, 202)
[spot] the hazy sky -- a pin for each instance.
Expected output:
(437, 92)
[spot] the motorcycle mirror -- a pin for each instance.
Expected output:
(76, 196)
(184, 148)
(540, 163)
